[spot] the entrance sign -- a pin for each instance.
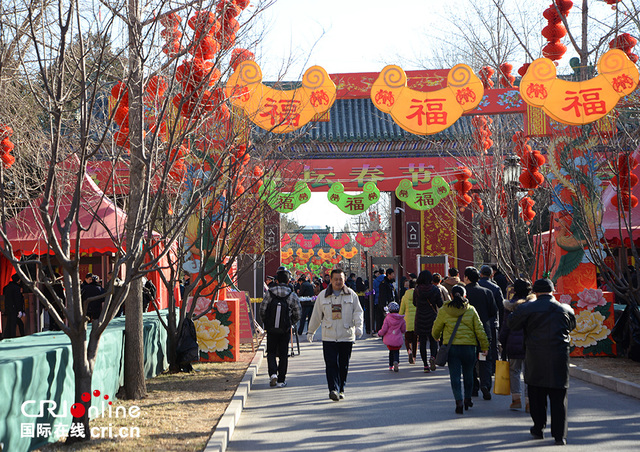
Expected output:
(426, 113)
(423, 199)
(584, 102)
(280, 111)
(353, 204)
(413, 234)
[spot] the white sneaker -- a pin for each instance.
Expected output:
(274, 380)
(281, 384)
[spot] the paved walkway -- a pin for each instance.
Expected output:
(412, 411)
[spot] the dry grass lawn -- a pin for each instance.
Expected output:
(178, 414)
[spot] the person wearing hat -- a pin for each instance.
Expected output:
(546, 324)
(392, 334)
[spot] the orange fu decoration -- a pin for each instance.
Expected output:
(368, 240)
(280, 111)
(334, 243)
(326, 256)
(579, 103)
(349, 254)
(286, 254)
(305, 255)
(426, 113)
(307, 244)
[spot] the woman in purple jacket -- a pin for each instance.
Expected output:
(513, 342)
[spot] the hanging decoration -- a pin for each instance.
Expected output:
(6, 146)
(555, 30)
(477, 203)
(171, 34)
(300, 268)
(285, 202)
(326, 256)
(280, 111)
(336, 260)
(286, 254)
(526, 206)
(368, 240)
(506, 79)
(626, 43)
(523, 69)
(349, 254)
(625, 181)
(485, 75)
(307, 244)
(327, 264)
(579, 103)
(284, 241)
(305, 256)
(287, 260)
(482, 133)
(531, 160)
(423, 199)
(334, 243)
(315, 268)
(316, 260)
(462, 186)
(426, 113)
(353, 204)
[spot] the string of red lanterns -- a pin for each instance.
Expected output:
(6, 146)
(555, 30)
(625, 180)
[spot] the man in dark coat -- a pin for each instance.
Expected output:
(93, 294)
(387, 295)
(486, 282)
(427, 299)
(305, 294)
(500, 279)
(482, 300)
(13, 307)
(546, 324)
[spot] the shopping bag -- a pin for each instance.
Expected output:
(502, 385)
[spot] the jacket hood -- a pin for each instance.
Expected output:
(455, 312)
(281, 290)
(512, 304)
(395, 319)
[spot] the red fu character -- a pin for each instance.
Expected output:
(591, 102)
(434, 113)
(354, 204)
(288, 115)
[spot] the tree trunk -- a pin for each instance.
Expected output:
(83, 372)
(134, 382)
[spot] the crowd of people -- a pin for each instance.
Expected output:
(476, 320)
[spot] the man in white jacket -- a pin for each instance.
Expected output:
(338, 310)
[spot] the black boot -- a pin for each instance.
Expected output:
(459, 408)
(467, 404)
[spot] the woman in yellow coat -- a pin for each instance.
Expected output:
(409, 311)
(462, 354)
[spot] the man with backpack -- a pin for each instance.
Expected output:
(279, 310)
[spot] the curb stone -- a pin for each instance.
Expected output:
(221, 435)
(614, 384)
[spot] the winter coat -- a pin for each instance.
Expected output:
(392, 331)
(446, 296)
(408, 309)
(427, 299)
(387, 292)
(482, 299)
(546, 324)
(13, 299)
(338, 330)
(470, 331)
(376, 288)
(513, 341)
(284, 291)
(451, 281)
(497, 296)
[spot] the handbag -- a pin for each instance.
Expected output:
(443, 353)
(502, 385)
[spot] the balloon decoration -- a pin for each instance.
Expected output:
(527, 213)
(482, 133)
(426, 113)
(532, 160)
(285, 240)
(506, 79)
(285, 202)
(334, 243)
(349, 254)
(353, 204)
(626, 43)
(6, 146)
(307, 244)
(625, 181)
(584, 102)
(368, 240)
(280, 111)
(462, 186)
(423, 199)
(555, 30)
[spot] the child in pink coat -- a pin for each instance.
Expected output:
(392, 334)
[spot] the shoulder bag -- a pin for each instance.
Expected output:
(443, 353)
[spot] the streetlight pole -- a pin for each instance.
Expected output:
(511, 180)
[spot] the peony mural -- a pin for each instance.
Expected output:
(217, 331)
(594, 321)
